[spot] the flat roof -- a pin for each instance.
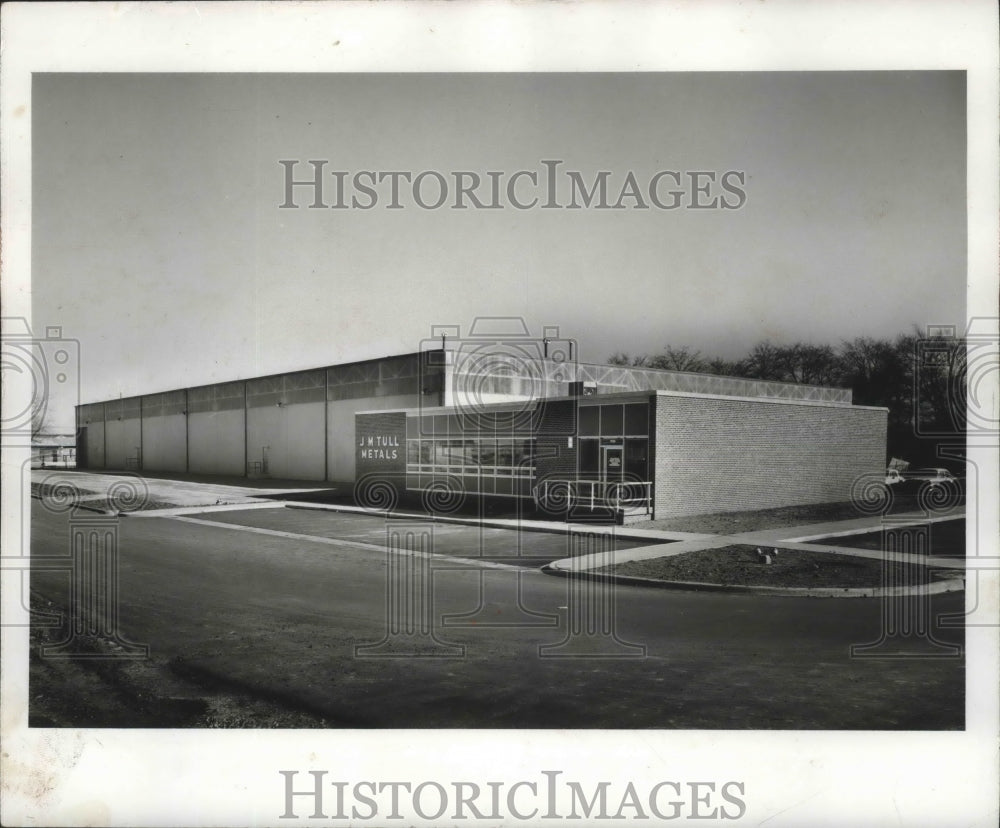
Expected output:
(620, 396)
(604, 375)
(256, 377)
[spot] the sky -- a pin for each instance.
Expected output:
(159, 245)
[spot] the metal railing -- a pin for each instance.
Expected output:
(595, 494)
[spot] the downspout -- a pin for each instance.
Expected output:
(187, 433)
(246, 434)
(326, 424)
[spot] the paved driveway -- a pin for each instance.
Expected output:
(231, 613)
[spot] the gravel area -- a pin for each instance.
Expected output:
(738, 565)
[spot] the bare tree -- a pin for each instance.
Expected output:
(916, 378)
(677, 359)
(625, 359)
(722, 367)
(807, 364)
(40, 420)
(763, 362)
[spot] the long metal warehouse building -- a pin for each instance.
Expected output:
(500, 424)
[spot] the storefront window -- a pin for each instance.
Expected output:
(522, 454)
(637, 419)
(456, 452)
(488, 452)
(589, 457)
(471, 453)
(483, 460)
(505, 453)
(611, 420)
(442, 453)
(589, 421)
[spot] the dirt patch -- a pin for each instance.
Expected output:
(739, 565)
(59, 496)
(58, 490)
(111, 505)
(96, 687)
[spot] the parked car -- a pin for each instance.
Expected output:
(893, 476)
(932, 476)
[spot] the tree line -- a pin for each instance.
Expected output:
(920, 379)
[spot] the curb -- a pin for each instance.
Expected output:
(79, 506)
(938, 587)
(496, 523)
(177, 511)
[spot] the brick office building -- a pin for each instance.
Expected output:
(654, 454)
(655, 443)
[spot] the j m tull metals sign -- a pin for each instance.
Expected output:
(379, 447)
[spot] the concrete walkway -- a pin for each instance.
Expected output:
(179, 492)
(191, 495)
(787, 537)
(677, 543)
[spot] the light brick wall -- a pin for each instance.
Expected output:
(721, 455)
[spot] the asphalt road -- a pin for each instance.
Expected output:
(279, 618)
(528, 549)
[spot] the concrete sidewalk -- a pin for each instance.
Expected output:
(178, 492)
(677, 543)
(788, 537)
(527, 524)
(191, 495)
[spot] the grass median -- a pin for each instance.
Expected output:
(740, 565)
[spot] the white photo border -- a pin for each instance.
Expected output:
(216, 778)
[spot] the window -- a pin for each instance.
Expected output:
(637, 419)
(522, 456)
(488, 452)
(419, 452)
(442, 452)
(589, 457)
(470, 453)
(589, 421)
(456, 452)
(611, 420)
(479, 458)
(484, 449)
(505, 453)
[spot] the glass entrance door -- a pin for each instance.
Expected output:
(612, 466)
